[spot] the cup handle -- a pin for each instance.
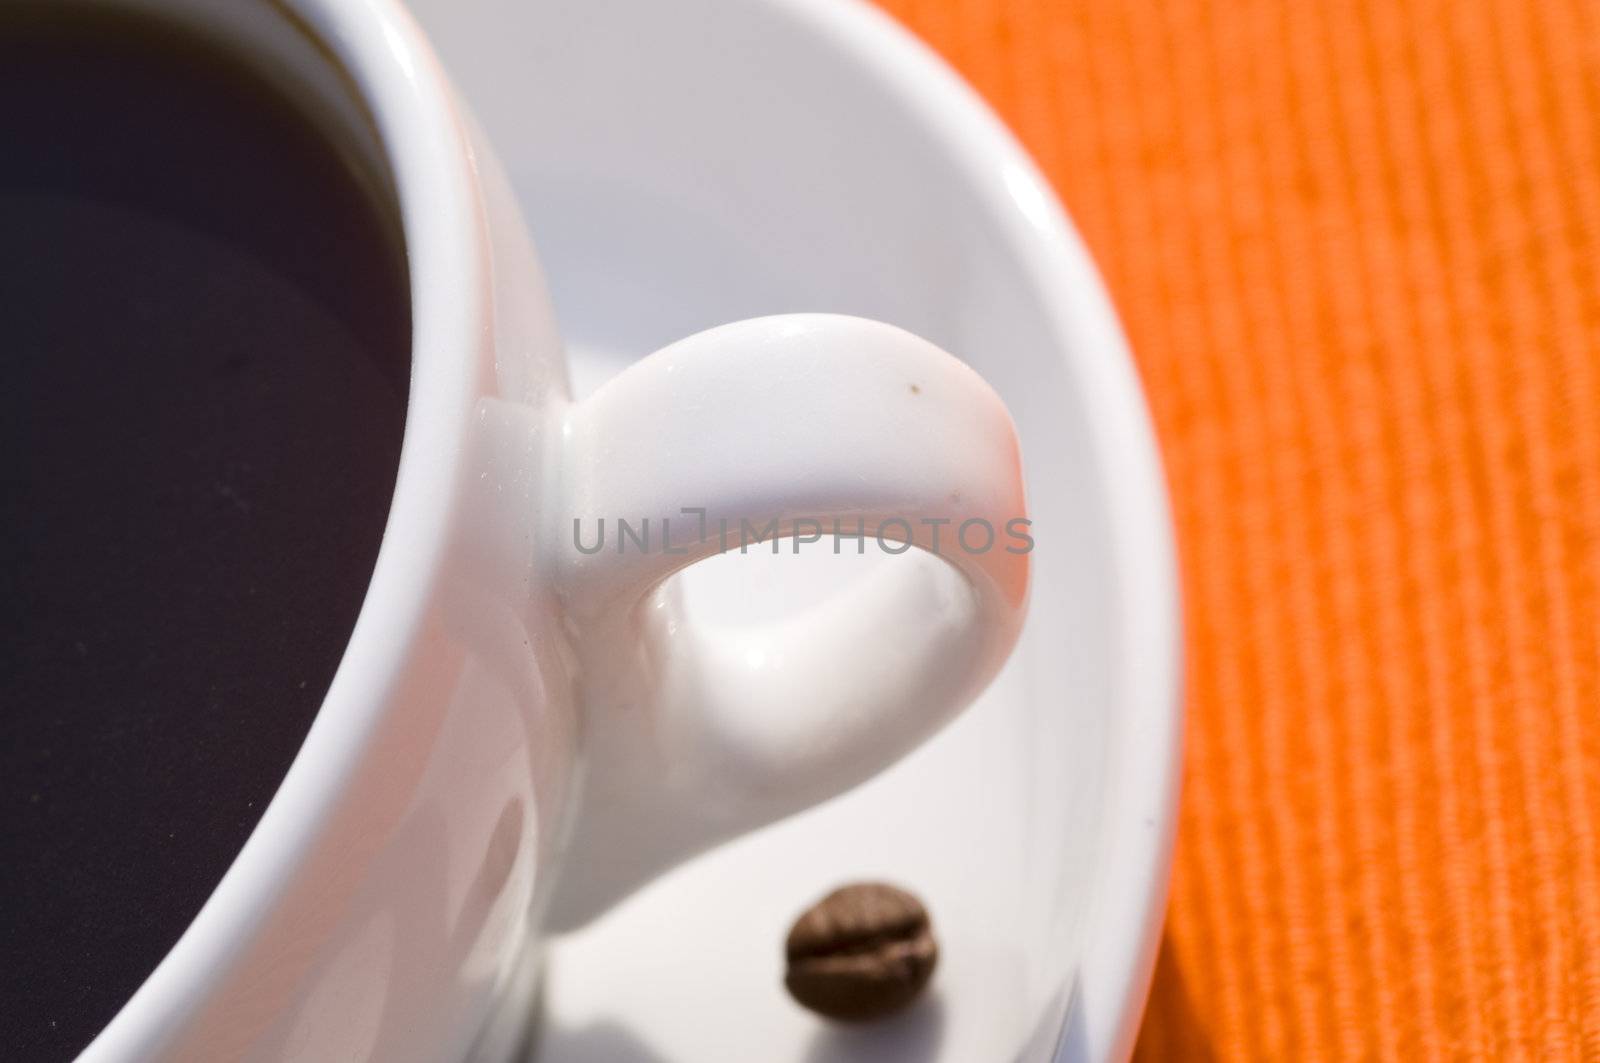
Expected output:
(787, 424)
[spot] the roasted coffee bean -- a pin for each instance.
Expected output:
(862, 952)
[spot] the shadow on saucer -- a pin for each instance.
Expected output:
(601, 1042)
(910, 1037)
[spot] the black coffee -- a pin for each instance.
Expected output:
(205, 330)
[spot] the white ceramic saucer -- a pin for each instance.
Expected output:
(683, 163)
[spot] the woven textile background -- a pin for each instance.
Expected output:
(1356, 244)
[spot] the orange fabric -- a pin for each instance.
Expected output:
(1356, 244)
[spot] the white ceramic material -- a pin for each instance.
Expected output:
(509, 703)
(701, 160)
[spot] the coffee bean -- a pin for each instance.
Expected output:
(862, 952)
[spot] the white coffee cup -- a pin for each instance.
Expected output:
(522, 731)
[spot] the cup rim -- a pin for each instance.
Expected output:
(426, 148)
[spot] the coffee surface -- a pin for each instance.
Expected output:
(206, 333)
